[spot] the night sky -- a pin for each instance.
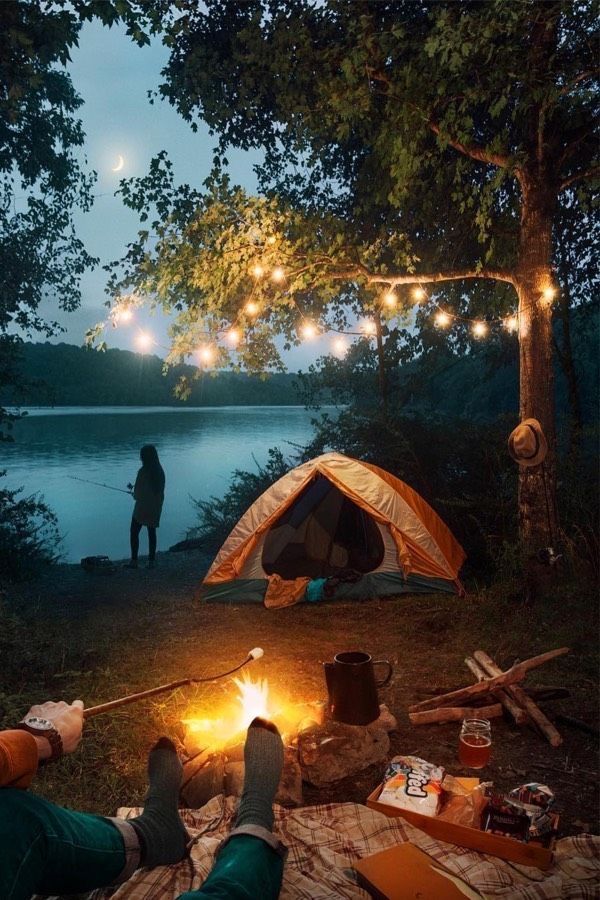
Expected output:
(113, 76)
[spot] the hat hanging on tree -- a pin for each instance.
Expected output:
(527, 444)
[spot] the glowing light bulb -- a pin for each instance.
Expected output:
(233, 337)
(549, 293)
(122, 315)
(511, 324)
(251, 308)
(369, 326)
(257, 270)
(442, 320)
(418, 294)
(479, 329)
(308, 331)
(144, 341)
(271, 240)
(206, 355)
(390, 298)
(339, 346)
(278, 274)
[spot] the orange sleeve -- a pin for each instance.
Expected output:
(18, 759)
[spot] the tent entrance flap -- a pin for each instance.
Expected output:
(321, 533)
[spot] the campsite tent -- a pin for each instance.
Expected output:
(338, 524)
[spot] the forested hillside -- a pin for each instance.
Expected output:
(66, 375)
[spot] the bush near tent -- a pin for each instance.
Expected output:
(335, 519)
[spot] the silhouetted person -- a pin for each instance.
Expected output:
(148, 493)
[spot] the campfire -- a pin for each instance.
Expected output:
(254, 698)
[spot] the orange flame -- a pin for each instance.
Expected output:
(253, 700)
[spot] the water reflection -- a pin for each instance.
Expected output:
(199, 449)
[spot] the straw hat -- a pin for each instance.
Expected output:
(527, 444)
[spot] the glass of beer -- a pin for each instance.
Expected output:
(475, 743)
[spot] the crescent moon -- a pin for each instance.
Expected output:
(119, 165)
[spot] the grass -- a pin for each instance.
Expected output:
(99, 637)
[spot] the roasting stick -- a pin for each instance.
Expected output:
(518, 694)
(516, 673)
(518, 714)
(143, 695)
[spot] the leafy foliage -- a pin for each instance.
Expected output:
(28, 534)
(217, 516)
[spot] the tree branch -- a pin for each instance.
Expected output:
(586, 173)
(474, 151)
(393, 280)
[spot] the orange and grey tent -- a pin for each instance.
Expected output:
(339, 525)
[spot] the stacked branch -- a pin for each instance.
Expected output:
(501, 688)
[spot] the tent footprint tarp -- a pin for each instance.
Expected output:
(348, 525)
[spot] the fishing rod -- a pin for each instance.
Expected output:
(108, 487)
(256, 653)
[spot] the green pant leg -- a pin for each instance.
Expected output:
(246, 868)
(45, 849)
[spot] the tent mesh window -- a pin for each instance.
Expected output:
(322, 534)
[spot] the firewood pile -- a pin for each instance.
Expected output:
(493, 693)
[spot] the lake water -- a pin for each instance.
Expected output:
(199, 449)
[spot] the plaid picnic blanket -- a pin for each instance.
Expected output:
(325, 840)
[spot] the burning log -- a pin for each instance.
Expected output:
(518, 694)
(454, 714)
(512, 675)
(518, 714)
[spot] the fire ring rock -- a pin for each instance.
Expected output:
(334, 750)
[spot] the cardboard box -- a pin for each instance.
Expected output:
(404, 872)
(531, 854)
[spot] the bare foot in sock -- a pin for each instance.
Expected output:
(162, 836)
(263, 759)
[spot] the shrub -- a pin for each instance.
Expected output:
(29, 537)
(218, 516)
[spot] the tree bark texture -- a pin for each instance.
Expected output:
(537, 484)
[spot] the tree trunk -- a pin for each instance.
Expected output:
(381, 373)
(567, 362)
(537, 484)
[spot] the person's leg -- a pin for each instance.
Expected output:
(134, 539)
(49, 850)
(250, 863)
(45, 849)
(151, 543)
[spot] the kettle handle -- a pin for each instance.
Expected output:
(383, 662)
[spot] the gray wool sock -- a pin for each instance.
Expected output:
(162, 836)
(263, 759)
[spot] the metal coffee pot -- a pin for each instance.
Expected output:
(352, 687)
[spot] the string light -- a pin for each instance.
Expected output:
(257, 270)
(369, 327)
(251, 308)
(442, 319)
(271, 240)
(144, 341)
(206, 355)
(479, 329)
(278, 274)
(339, 346)
(511, 324)
(233, 337)
(418, 294)
(308, 330)
(390, 298)
(122, 315)
(549, 293)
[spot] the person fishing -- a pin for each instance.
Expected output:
(149, 494)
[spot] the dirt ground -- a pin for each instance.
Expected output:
(101, 636)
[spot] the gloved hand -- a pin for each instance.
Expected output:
(66, 718)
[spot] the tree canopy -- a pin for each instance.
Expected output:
(428, 144)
